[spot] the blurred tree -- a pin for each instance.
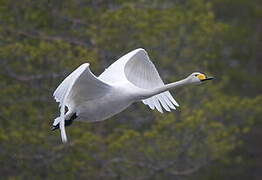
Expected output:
(211, 136)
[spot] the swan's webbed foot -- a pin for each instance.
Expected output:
(67, 122)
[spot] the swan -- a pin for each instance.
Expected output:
(131, 78)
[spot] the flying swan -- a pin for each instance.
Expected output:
(131, 78)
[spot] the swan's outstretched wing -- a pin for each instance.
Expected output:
(81, 85)
(61, 90)
(137, 68)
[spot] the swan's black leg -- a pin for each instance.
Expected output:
(70, 121)
(67, 122)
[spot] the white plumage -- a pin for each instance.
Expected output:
(136, 68)
(131, 78)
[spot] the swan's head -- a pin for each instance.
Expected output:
(198, 77)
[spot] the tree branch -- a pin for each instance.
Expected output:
(43, 36)
(155, 170)
(19, 77)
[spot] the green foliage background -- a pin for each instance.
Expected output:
(214, 134)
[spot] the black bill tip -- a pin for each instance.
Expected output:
(208, 78)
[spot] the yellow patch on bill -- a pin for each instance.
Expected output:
(201, 76)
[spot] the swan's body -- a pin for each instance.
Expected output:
(131, 78)
(114, 101)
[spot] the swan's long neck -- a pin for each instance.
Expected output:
(165, 87)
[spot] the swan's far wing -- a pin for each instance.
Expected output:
(87, 87)
(140, 71)
(60, 92)
(81, 85)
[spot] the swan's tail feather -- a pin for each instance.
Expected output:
(62, 129)
(61, 122)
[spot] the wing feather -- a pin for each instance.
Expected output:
(140, 71)
(169, 103)
(81, 85)
(157, 104)
(163, 103)
(137, 68)
(60, 91)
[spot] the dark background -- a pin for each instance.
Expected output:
(215, 133)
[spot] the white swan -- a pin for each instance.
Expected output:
(131, 78)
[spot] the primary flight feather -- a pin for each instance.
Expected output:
(131, 78)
